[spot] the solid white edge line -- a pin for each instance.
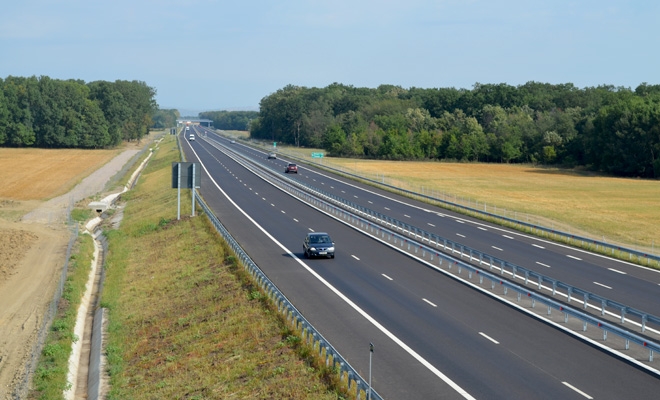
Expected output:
(339, 294)
(577, 390)
(489, 338)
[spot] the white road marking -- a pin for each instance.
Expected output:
(387, 208)
(272, 204)
(355, 257)
(343, 191)
(406, 215)
(429, 302)
(600, 284)
(573, 257)
(430, 224)
(508, 237)
(489, 338)
(387, 277)
(459, 221)
(536, 245)
(310, 229)
(283, 212)
(496, 248)
(482, 228)
(263, 198)
(370, 202)
(296, 220)
(617, 271)
(458, 234)
(577, 390)
(545, 265)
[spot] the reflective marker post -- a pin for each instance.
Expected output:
(186, 175)
(371, 352)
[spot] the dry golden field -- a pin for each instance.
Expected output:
(40, 174)
(620, 210)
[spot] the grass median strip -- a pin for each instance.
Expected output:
(185, 322)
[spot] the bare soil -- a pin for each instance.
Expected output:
(33, 242)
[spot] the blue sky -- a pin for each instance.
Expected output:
(213, 55)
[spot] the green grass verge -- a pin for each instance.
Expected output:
(50, 378)
(184, 320)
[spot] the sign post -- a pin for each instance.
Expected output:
(186, 175)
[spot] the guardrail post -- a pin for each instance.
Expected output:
(644, 322)
(570, 291)
(623, 315)
(602, 308)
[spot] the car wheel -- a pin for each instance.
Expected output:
(332, 256)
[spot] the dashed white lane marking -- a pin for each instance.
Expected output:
(545, 265)
(430, 303)
(459, 221)
(539, 246)
(387, 208)
(489, 338)
(283, 212)
(482, 228)
(355, 257)
(296, 220)
(458, 234)
(496, 248)
(617, 271)
(600, 284)
(310, 229)
(573, 257)
(263, 198)
(406, 215)
(507, 236)
(370, 202)
(355, 196)
(272, 204)
(387, 277)
(430, 224)
(577, 390)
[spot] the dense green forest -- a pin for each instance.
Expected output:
(606, 128)
(230, 120)
(51, 113)
(164, 118)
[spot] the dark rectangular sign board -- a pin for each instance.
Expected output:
(186, 175)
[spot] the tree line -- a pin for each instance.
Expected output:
(606, 128)
(52, 113)
(230, 120)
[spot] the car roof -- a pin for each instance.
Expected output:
(317, 234)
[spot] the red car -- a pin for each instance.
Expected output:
(291, 167)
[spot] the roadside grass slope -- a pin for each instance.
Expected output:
(185, 322)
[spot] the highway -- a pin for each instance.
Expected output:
(433, 337)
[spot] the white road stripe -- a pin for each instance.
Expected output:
(387, 277)
(573, 257)
(387, 208)
(406, 215)
(310, 229)
(370, 202)
(459, 221)
(536, 245)
(296, 220)
(507, 236)
(489, 338)
(355, 257)
(617, 271)
(482, 228)
(429, 302)
(458, 234)
(283, 212)
(577, 390)
(545, 265)
(430, 224)
(272, 204)
(496, 248)
(600, 284)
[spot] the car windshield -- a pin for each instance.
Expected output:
(319, 239)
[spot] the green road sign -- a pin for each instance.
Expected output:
(317, 155)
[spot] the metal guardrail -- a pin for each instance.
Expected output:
(301, 190)
(514, 270)
(454, 247)
(568, 237)
(312, 337)
(402, 240)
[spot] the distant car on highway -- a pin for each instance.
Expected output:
(291, 167)
(233, 141)
(272, 155)
(318, 244)
(192, 137)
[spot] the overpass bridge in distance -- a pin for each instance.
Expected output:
(194, 121)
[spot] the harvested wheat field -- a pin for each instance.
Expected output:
(40, 174)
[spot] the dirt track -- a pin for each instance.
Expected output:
(32, 254)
